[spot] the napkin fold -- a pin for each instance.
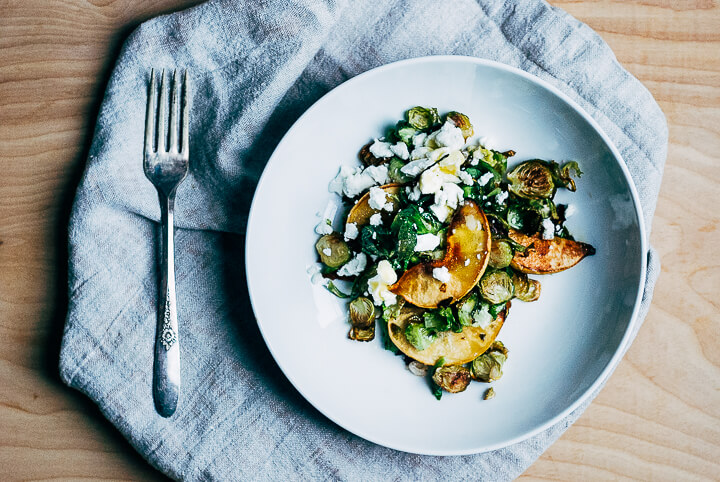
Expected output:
(255, 67)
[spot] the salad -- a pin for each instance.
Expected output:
(437, 238)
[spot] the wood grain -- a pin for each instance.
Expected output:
(658, 417)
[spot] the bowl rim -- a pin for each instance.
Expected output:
(634, 317)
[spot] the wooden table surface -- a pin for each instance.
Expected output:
(657, 418)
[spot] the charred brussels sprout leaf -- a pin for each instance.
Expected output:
(526, 289)
(422, 118)
(419, 336)
(490, 393)
(501, 254)
(362, 312)
(333, 251)
(452, 378)
(561, 175)
(362, 334)
(336, 291)
(496, 287)
(488, 366)
(465, 308)
(532, 180)
(462, 122)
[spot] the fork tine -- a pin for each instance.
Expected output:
(150, 116)
(185, 116)
(174, 101)
(162, 114)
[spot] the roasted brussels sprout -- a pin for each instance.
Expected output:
(452, 378)
(419, 336)
(526, 289)
(422, 118)
(333, 251)
(532, 180)
(488, 366)
(362, 312)
(462, 122)
(465, 309)
(496, 287)
(362, 334)
(406, 132)
(394, 172)
(501, 254)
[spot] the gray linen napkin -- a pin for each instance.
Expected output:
(256, 66)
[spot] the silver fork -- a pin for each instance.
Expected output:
(166, 167)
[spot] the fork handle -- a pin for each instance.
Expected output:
(166, 369)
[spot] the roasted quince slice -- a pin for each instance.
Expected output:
(360, 213)
(465, 260)
(545, 256)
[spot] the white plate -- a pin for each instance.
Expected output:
(561, 347)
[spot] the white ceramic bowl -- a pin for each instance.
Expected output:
(561, 347)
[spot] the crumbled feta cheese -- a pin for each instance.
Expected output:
(485, 178)
(448, 136)
(357, 183)
(467, 262)
(400, 149)
(419, 139)
(500, 198)
(465, 178)
(413, 168)
(327, 251)
(446, 201)
(375, 220)
(548, 229)
(381, 149)
(472, 223)
(351, 231)
(354, 267)
(378, 284)
(427, 242)
(377, 198)
(481, 318)
(431, 180)
(413, 194)
(325, 224)
(419, 153)
(441, 274)
(338, 183)
(389, 206)
(569, 210)
(378, 173)
(316, 276)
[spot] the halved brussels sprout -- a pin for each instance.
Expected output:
(362, 334)
(419, 336)
(452, 378)
(496, 287)
(465, 309)
(526, 289)
(501, 254)
(333, 251)
(532, 180)
(462, 122)
(362, 312)
(394, 172)
(488, 366)
(406, 132)
(422, 118)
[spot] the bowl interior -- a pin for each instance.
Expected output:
(560, 346)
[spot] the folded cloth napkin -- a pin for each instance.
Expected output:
(255, 67)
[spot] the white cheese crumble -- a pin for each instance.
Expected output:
(482, 318)
(377, 198)
(447, 200)
(413, 168)
(351, 231)
(379, 174)
(419, 139)
(378, 284)
(375, 220)
(355, 266)
(427, 242)
(448, 136)
(400, 150)
(352, 181)
(501, 197)
(413, 193)
(316, 276)
(441, 274)
(569, 210)
(465, 178)
(381, 149)
(327, 251)
(467, 262)
(419, 153)
(485, 178)
(548, 229)
(325, 224)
